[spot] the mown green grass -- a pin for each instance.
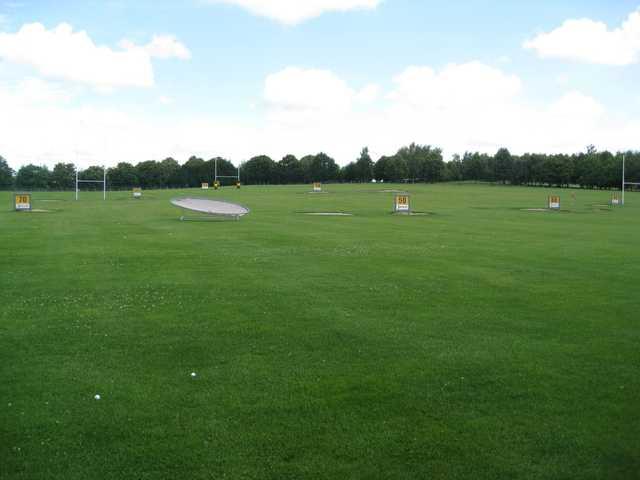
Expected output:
(478, 342)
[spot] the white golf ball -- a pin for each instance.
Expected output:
(193, 374)
(97, 397)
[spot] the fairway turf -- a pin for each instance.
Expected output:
(480, 341)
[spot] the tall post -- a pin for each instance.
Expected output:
(623, 177)
(104, 183)
(238, 172)
(215, 162)
(76, 183)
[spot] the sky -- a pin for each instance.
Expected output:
(101, 82)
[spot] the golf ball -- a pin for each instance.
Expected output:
(193, 374)
(97, 397)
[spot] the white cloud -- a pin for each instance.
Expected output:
(292, 12)
(35, 91)
(455, 86)
(563, 79)
(459, 107)
(294, 92)
(589, 41)
(368, 94)
(476, 107)
(65, 54)
(162, 47)
(164, 100)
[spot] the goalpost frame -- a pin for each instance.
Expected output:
(216, 176)
(103, 182)
(623, 177)
(625, 184)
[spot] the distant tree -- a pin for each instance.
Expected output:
(6, 174)
(391, 169)
(475, 166)
(171, 174)
(259, 170)
(453, 170)
(423, 163)
(289, 170)
(196, 171)
(123, 175)
(433, 164)
(519, 171)
(150, 174)
(320, 168)
(503, 162)
(63, 176)
(380, 167)
(414, 161)
(305, 166)
(363, 168)
(33, 177)
(350, 173)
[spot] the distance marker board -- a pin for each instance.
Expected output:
(554, 202)
(402, 203)
(137, 193)
(205, 186)
(317, 187)
(22, 202)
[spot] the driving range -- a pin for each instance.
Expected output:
(487, 337)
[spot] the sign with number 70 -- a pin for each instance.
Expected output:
(22, 201)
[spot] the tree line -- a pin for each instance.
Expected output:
(411, 164)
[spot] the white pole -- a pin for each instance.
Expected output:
(623, 178)
(216, 169)
(76, 182)
(104, 183)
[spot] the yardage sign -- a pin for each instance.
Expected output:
(137, 193)
(238, 184)
(22, 201)
(615, 200)
(554, 202)
(317, 187)
(205, 186)
(402, 203)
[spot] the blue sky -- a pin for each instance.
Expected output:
(243, 77)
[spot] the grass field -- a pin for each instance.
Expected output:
(480, 341)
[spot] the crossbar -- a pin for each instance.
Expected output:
(103, 182)
(216, 176)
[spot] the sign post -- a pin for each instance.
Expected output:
(137, 192)
(554, 202)
(402, 203)
(317, 187)
(22, 202)
(205, 186)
